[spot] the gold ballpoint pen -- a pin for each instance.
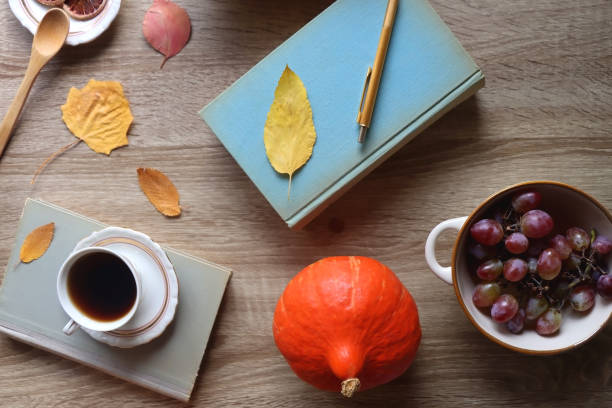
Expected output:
(372, 81)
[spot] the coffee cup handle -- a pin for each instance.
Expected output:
(443, 272)
(70, 327)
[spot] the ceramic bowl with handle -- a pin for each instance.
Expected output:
(569, 207)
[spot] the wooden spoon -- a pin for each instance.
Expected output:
(49, 39)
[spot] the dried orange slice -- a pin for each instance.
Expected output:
(84, 9)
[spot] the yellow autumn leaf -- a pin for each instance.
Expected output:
(99, 114)
(36, 243)
(289, 133)
(160, 191)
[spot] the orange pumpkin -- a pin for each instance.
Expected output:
(347, 324)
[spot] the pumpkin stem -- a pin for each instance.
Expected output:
(350, 386)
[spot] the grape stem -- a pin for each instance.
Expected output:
(537, 285)
(513, 227)
(508, 213)
(553, 301)
(586, 272)
(597, 267)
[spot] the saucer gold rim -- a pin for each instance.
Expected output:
(162, 319)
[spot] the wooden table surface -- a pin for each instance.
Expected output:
(545, 113)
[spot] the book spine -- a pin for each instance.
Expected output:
(449, 101)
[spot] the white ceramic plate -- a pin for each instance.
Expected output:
(30, 12)
(159, 286)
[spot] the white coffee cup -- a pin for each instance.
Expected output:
(77, 316)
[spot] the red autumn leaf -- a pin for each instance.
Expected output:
(166, 27)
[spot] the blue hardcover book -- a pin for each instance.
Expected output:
(427, 72)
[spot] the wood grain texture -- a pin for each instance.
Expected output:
(545, 113)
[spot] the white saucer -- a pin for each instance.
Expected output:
(30, 12)
(159, 286)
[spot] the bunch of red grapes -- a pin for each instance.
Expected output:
(527, 274)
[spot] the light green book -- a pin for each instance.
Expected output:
(30, 311)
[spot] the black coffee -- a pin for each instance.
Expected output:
(101, 286)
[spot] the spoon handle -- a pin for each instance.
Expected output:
(8, 123)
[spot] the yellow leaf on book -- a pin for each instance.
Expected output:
(289, 133)
(99, 114)
(36, 243)
(160, 191)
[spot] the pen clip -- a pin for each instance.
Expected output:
(363, 94)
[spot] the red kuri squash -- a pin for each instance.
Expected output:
(347, 324)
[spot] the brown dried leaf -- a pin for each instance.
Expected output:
(160, 191)
(36, 243)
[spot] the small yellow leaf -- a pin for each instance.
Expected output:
(160, 191)
(36, 243)
(99, 115)
(289, 133)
